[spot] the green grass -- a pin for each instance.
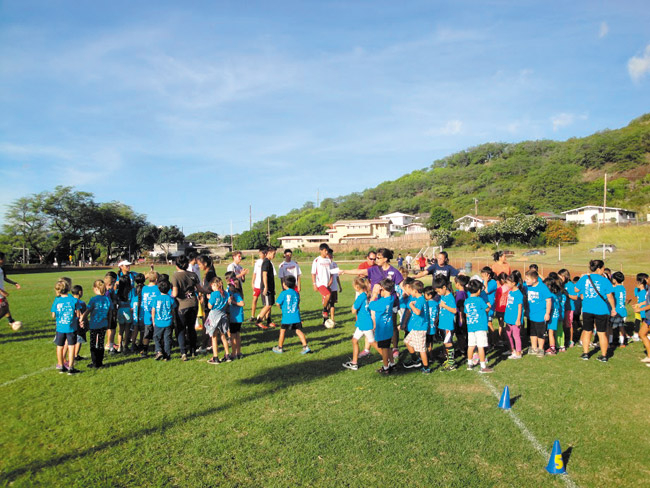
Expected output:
(293, 420)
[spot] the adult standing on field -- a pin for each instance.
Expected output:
(500, 265)
(185, 289)
(370, 261)
(440, 267)
(289, 267)
(422, 261)
(598, 305)
(125, 270)
(237, 268)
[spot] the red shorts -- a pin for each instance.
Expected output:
(324, 291)
(256, 292)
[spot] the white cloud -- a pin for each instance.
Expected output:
(565, 119)
(604, 30)
(639, 66)
(451, 128)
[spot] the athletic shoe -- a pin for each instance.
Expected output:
(532, 352)
(80, 358)
(585, 357)
(112, 351)
(277, 350)
(325, 315)
(184, 357)
(272, 325)
(364, 354)
(351, 365)
(470, 366)
(540, 353)
(73, 371)
(572, 344)
(61, 369)
(252, 320)
(261, 325)
(514, 356)
(305, 350)
(636, 338)
(395, 353)
(214, 360)
(425, 370)
(385, 371)
(412, 364)
(562, 349)
(144, 353)
(66, 364)
(602, 359)
(485, 370)
(551, 351)
(447, 366)
(646, 360)
(506, 353)
(159, 355)
(202, 350)
(227, 358)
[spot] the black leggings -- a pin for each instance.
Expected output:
(97, 346)
(185, 331)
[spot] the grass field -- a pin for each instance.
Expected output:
(293, 420)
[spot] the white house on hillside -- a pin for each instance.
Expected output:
(347, 230)
(302, 241)
(416, 228)
(591, 214)
(398, 221)
(473, 222)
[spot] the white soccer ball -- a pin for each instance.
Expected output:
(330, 324)
(16, 325)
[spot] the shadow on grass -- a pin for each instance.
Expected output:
(43, 335)
(566, 456)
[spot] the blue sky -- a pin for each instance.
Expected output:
(191, 111)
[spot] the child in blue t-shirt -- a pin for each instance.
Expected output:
(162, 318)
(235, 312)
(490, 285)
(416, 340)
(540, 305)
(80, 324)
(432, 305)
(446, 315)
(555, 329)
(65, 309)
(98, 314)
(149, 294)
(218, 325)
(620, 298)
(476, 314)
(124, 296)
(640, 293)
(289, 303)
(361, 311)
(405, 299)
(381, 311)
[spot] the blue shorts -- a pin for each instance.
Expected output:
(124, 316)
(61, 337)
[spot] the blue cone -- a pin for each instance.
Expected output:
(556, 463)
(504, 403)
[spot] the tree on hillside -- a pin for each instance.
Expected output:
(521, 228)
(204, 237)
(169, 235)
(251, 239)
(440, 218)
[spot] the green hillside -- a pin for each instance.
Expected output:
(507, 179)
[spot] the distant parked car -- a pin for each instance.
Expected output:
(534, 252)
(607, 247)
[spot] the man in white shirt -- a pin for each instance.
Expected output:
(321, 276)
(408, 260)
(237, 268)
(289, 267)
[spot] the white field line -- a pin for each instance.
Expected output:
(25, 376)
(527, 433)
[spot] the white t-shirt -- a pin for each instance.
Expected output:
(409, 258)
(289, 269)
(334, 269)
(257, 271)
(194, 268)
(321, 268)
(237, 269)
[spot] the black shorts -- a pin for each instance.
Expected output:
(112, 321)
(334, 297)
(296, 326)
(589, 320)
(537, 329)
(148, 331)
(499, 315)
(385, 344)
(235, 327)
(430, 339)
(61, 337)
(268, 300)
(618, 321)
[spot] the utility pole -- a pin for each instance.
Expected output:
(475, 206)
(268, 230)
(605, 199)
(232, 248)
(317, 197)
(250, 217)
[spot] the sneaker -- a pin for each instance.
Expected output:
(412, 364)
(646, 360)
(636, 338)
(214, 360)
(449, 366)
(514, 356)
(305, 350)
(159, 355)
(572, 344)
(540, 353)
(272, 325)
(228, 358)
(112, 351)
(551, 351)
(184, 357)
(470, 366)
(364, 354)
(61, 369)
(66, 364)
(532, 351)
(385, 371)
(602, 359)
(325, 315)
(562, 349)
(144, 353)
(351, 365)
(73, 371)
(261, 325)
(202, 350)
(585, 357)
(425, 370)
(240, 356)
(395, 353)
(486, 370)
(506, 353)
(80, 358)
(277, 350)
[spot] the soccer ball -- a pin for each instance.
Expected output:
(329, 324)
(16, 325)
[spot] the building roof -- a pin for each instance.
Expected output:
(482, 218)
(600, 208)
(416, 224)
(395, 214)
(303, 237)
(367, 222)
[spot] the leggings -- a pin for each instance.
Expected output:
(185, 330)
(559, 336)
(97, 346)
(514, 336)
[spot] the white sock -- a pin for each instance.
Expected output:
(483, 364)
(621, 339)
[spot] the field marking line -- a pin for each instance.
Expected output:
(527, 433)
(25, 376)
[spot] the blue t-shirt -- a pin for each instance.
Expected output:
(289, 301)
(476, 314)
(556, 306)
(81, 306)
(640, 295)
(491, 290)
(515, 298)
(383, 308)
(164, 305)
(419, 322)
(591, 301)
(98, 308)
(433, 315)
(149, 295)
(218, 300)
(362, 306)
(571, 289)
(619, 298)
(64, 309)
(446, 318)
(138, 310)
(537, 296)
(405, 303)
(236, 312)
